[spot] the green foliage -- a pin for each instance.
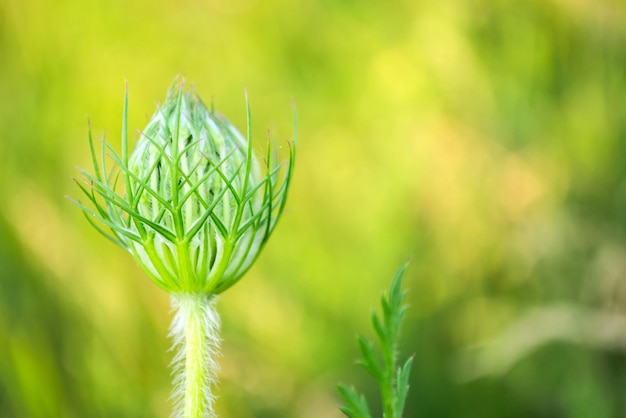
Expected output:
(382, 364)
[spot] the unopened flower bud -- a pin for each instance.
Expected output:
(198, 205)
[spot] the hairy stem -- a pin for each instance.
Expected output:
(387, 387)
(195, 330)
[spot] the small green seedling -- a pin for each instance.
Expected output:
(382, 364)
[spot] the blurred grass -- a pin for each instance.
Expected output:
(482, 138)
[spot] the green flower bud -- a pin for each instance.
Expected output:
(198, 205)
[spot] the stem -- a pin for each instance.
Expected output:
(195, 330)
(388, 384)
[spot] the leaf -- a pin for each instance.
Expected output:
(392, 380)
(369, 361)
(356, 406)
(402, 389)
(381, 330)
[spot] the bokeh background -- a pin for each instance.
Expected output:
(483, 139)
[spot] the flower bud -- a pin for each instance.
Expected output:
(198, 204)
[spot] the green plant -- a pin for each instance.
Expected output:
(383, 365)
(194, 206)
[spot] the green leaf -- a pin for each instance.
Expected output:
(402, 388)
(392, 380)
(369, 361)
(356, 406)
(381, 330)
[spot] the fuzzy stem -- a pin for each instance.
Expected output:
(195, 330)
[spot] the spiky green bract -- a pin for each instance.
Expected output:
(382, 364)
(192, 202)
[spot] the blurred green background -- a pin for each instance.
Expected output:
(484, 139)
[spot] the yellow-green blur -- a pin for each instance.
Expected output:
(483, 139)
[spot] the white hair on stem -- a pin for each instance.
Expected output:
(195, 331)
